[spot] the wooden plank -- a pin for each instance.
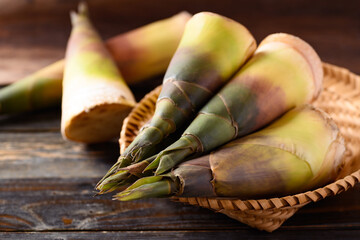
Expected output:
(51, 204)
(193, 235)
(68, 204)
(46, 120)
(46, 154)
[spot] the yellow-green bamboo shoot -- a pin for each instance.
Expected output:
(300, 151)
(284, 72)
(96, 98)
(140, 54)
(211, 50)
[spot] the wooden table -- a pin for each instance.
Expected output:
(46, 183)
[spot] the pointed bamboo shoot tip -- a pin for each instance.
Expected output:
(149, 167)
(83, 8)
(73, 17)
(164, 166)
(184, 14)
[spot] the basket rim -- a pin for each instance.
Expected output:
(289, 201)
(296, 200)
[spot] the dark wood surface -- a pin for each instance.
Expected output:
(34, 33)
(46, 183)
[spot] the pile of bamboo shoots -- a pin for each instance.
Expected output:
(232, 119)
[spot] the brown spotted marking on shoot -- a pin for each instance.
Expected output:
(146, 52)
(266, 96)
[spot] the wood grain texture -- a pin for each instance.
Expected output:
(46, 154)
(46, 120)
(54, 204)
(195, 235)
(68, 204)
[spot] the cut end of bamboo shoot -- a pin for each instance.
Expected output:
(99, 124)
(96, 98)
(310, 55)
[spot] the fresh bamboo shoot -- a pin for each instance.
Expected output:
(211, 50)
(300, 151)
(140, 54)
(284, 72)
(95, 99)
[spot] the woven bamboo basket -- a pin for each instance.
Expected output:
(340, 98)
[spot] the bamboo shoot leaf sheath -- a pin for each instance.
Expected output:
(298, 152)
(211, 50)
(284, 72)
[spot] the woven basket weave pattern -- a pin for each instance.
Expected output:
(340, 98)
